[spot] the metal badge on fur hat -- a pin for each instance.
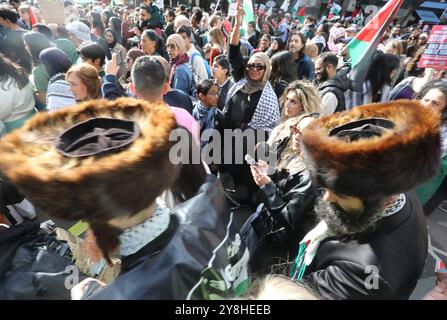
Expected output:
(75, 164)
(375, 150)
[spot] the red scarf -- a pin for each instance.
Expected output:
(181, 59)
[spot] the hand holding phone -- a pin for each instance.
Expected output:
(250, 160)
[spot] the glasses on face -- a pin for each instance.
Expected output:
(256, 66)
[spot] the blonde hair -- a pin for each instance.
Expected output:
(284, 162)
(398, 47)
(277, 287)
(216, 33)
(89, 77)
(213, 20)
(308, 95)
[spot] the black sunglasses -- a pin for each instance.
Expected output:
(255, 66)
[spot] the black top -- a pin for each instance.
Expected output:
(179, 99)
(223, 94)
(241, 108)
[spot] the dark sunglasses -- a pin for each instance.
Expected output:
(255, 66)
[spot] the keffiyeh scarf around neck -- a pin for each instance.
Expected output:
(135, 238)
(310, 244)
(205, 116)
(266, 115)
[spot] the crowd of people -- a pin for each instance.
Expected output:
(87, 117)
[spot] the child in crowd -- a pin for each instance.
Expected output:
(205, 110)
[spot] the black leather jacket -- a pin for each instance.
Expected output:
(273, 232)
(175, 265)
(386, 264)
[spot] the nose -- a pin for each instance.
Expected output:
(328, 196)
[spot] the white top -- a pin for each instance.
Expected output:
(15, 102)
(329, 103)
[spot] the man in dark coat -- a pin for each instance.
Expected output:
(371, 241)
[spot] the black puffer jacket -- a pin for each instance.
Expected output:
(199, 256)
(338, 86)
(33, 264)
(273, 233)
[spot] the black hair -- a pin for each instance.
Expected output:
(116, 26)
(302, 37)
(43, 29)
(36, 42)
(283, 67)
(9, 69)
(148, 75)
(171, 13)
(93, 50)
(160, 47)
(184, 29)
(86, 22)
(108, 15)
(97, 21)
(14, 49)
(379, 72)
(311, 19)
(8, 14)
(205, 85)
(222, 60)
(329, 58)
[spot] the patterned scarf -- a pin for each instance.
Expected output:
(309, 245)
(181, 59)
(205, 116)
(135, 238)
(266, 115)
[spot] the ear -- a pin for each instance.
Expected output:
(97, 61)
(165, 88)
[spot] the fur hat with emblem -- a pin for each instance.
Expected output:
(94, 161)
(375, 150)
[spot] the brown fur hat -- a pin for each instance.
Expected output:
(395, 161)
(95, 189)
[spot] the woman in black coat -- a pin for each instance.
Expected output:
(287, 198)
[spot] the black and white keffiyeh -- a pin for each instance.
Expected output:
(266, 115)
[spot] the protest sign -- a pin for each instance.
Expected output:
(435, 54)
(52, 11)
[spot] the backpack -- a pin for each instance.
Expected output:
(207, 65)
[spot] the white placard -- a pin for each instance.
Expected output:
(232, 9)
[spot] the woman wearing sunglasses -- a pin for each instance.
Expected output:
(181, 73)
(251, 104)
(287, 198)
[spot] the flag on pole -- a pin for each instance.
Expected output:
(362, 47)
(249, 16)
(285, 6)
(249, 13)
(299, 10)
(334, 11)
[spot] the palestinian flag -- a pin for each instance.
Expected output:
(363, 46)
(298, 10)
(249, 15)
(334, 11)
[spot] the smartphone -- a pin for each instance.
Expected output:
(250, 160)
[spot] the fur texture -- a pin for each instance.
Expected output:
(395, 162)
(92, 189)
